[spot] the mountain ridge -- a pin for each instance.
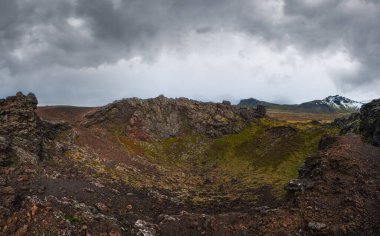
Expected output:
(163, 117)
(330, 104)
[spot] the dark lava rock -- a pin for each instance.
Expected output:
(312, 168)
(19, 132)
(295, 185)
(327, 142)
(298, 185)
(370, 121)
(348, 125)
(163, 117)
(261, 110)
(226, 103)
(366, 123)
(23, 136)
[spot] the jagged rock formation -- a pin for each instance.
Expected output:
(25, 139)
(366, 123)
(370, 121)
(24, 136)
(163, 117)
(20, 133)
(348, 125)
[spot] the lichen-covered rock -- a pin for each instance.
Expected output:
(163, 117)
(370, 121)
(22, 134)
(316, 226)
(349, 125)
(19, 131)
(366, 123)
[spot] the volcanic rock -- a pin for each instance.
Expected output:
(366, 123)
(370, 121)
(24, 137)
(163, 117)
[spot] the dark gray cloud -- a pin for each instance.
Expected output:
(332, 25)
(61, 36)
(110, 30)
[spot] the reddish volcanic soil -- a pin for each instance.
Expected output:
(72, 115)
(343, 196)
(97, 139)
(338, 193)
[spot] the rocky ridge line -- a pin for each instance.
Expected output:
(163, 117)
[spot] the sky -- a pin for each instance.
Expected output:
(92, 52)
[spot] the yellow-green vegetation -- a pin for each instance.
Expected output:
(266, 153)
(292, 116)
(202, 170)
(72, 218)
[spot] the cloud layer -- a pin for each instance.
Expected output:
(94, 51)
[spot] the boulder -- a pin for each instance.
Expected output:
(316, 226)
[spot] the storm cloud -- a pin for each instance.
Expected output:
(94, 51)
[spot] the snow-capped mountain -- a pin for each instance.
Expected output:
(330, 104)
(342, 103)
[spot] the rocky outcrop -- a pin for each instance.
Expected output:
(25, 140)
(335, 193)
(163, 117)
(20, 135)
(366, 123)
(23, 135)
(348, 125)
(370, 121)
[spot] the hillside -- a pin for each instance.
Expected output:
(181, 167)
(329, 105)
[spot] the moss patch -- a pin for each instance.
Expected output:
(266, 154)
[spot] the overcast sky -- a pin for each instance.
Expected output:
(91, 52)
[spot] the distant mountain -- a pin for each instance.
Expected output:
(330, 104)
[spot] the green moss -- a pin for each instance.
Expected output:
(13, 160)
(257, 156)
(72, 218)
(204, 170)
(260, 156)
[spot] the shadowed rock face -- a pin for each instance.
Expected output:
(162, 117)
(370, 121)
(366, 123)
(23, 136)
(19, 130)
(25, 139)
